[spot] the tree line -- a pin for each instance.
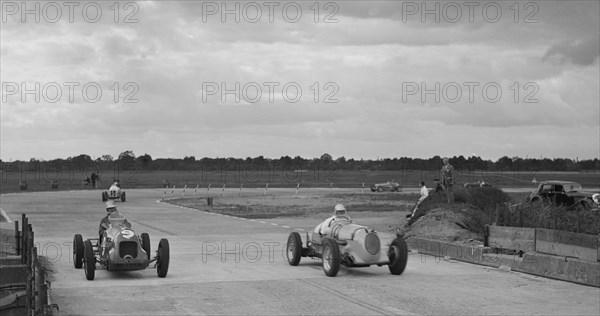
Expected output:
(127, 160)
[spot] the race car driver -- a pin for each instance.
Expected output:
(105, 222)
(339, 213)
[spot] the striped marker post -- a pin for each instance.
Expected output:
(172, 191)
(165, 193)
(297, 188)
(196, 190)
(183, 193)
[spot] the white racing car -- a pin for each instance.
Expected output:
(350, 245)
(114, 193)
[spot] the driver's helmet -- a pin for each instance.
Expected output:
(340, 210)
(110, 206)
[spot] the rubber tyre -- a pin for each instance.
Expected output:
(398, 189)
(162, 260)
(373, 189)
(146, 244)
(294, 249)
(89, 263)
(584, 206)
(104, 197)
(379, 189)
(398, 255)
(122, 196)
(331, 257)
(78, 251)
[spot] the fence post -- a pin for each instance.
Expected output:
(297, 188)
(363, 188)
(196, 190)
(17, 238)
(24, 236)
(223, 191)
(266, 188)
(486, 237)
(172, 191)
(165, 193)
(183, 193)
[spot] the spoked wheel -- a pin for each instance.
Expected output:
(162, 260)
(78, 251)
(89, 262)
(331, 258)
(398, 255)
(294, 249)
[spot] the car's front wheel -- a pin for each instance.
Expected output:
(89, 260)
(379, 189)
(294, 249)
(122, 196)
(78, 251)
(104, 197)
(398, 255)
(331, 257)
(162, 262)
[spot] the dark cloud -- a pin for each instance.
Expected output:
(576, 51)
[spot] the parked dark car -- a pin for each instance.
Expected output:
(564, 193)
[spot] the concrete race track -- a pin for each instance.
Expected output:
(227, 265)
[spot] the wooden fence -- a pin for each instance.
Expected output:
(37, 286)
(548, 241)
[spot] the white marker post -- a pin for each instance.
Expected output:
(241, 186)
(183, 193)
(165, 193)
(297, 188)
(196, 190)
(363, 189)
(266, 188)
(172, 191)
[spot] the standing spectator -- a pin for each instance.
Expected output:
(424, 195)
(447, 179)
(95, 178)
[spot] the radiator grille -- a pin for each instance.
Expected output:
(128, 248)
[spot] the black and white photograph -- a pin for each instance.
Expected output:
(300, 157)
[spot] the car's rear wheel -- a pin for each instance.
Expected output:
(294, 249)
(373, 189)
(331, 257)
(398, 256)
(122, 196)
(146, 244)
(104, 197)
(162, 262)
(78, 251)
(379, 189)
(89, 260)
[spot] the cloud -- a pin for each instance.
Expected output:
(580, 52)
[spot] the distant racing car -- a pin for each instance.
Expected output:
(390, 185)
(119, 249)
(114, 193)
(349, 245)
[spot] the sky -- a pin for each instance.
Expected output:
(359, 79)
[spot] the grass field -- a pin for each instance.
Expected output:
(40, 180)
